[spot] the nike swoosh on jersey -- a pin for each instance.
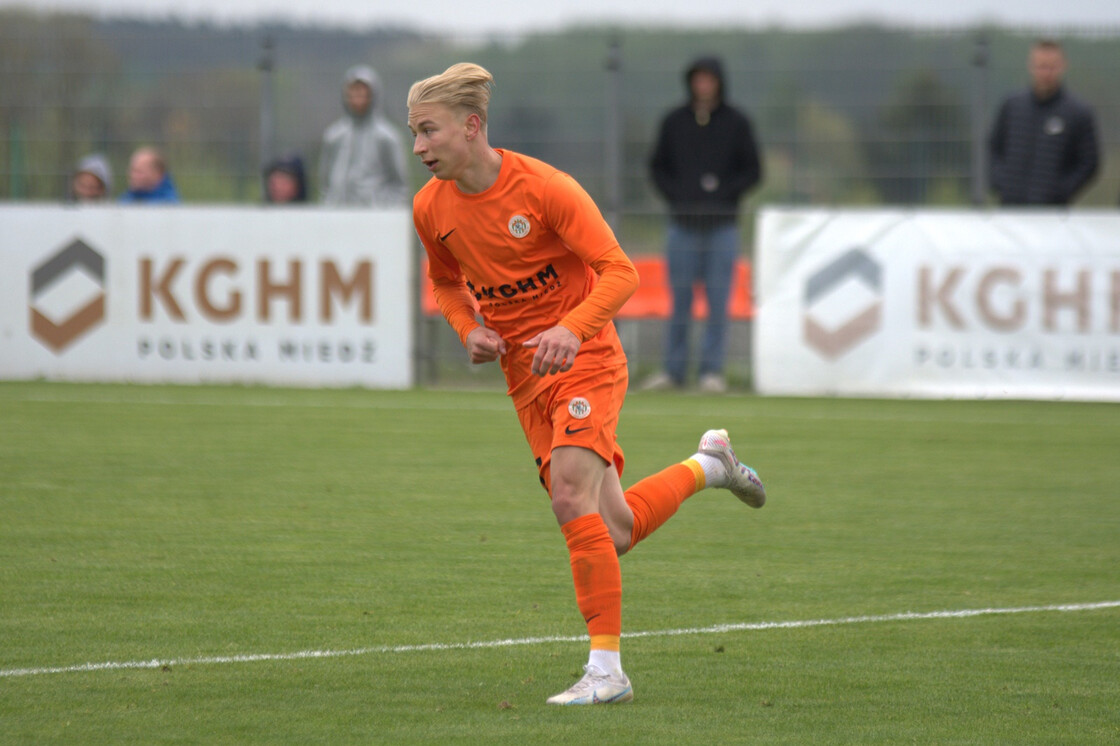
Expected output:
(445, 236)
(569, 431)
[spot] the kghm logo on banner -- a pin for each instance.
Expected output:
(833, 339)
(57, 319)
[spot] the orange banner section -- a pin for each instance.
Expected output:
(653, 300)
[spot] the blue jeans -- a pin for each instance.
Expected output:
(707, 256)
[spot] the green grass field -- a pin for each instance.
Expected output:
(189, 543)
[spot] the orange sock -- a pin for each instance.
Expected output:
(656, 498)
(598, 578)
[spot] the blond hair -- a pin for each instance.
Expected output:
(463, 86)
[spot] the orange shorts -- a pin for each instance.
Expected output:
(578, 410)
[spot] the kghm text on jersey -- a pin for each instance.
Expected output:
(546, 279)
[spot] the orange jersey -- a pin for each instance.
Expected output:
(531, 252)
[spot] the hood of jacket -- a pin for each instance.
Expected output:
(292, 165)
(709, 64)
(367, 75)
(98, 165)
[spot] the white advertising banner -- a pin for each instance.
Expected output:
(303, 297)
(967, 304)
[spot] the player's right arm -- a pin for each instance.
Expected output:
(484, 345)
(449, 287)
(454, 301)
(457, 306)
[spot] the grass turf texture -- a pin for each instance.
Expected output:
(180, 523)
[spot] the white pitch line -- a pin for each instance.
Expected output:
(258, 399)
(719, 628)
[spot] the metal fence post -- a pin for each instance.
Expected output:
(980, 60)
(612, 137)
(268, 105)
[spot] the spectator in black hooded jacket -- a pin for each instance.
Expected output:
(1043, 147)
(705, 160)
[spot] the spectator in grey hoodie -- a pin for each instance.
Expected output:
(362, 162)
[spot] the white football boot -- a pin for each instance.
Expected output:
(741, 479)
(596, 688)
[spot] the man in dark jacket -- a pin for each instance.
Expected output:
(1043, 146)
(704, 162)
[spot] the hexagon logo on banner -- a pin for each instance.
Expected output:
(67, 295)
(853, 282)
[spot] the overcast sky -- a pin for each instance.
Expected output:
(465, 16)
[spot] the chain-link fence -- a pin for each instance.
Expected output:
(859, 115)
(849, 116)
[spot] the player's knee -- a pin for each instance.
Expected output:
(569, 503)
(621, 539)
(620, 525)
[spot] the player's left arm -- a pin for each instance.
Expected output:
(576, 219)
(618, 280)
(578, 222)
(557, 347)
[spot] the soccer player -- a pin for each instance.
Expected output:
(524, 245)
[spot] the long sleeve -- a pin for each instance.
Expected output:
(393, 187)
(456, 305)
(1086, 160)
(449, 287)
(997, 145)
(618, 280)
(660, 164)
(749, 171)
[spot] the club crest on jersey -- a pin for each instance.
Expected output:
(579, 408)
(519, 226)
